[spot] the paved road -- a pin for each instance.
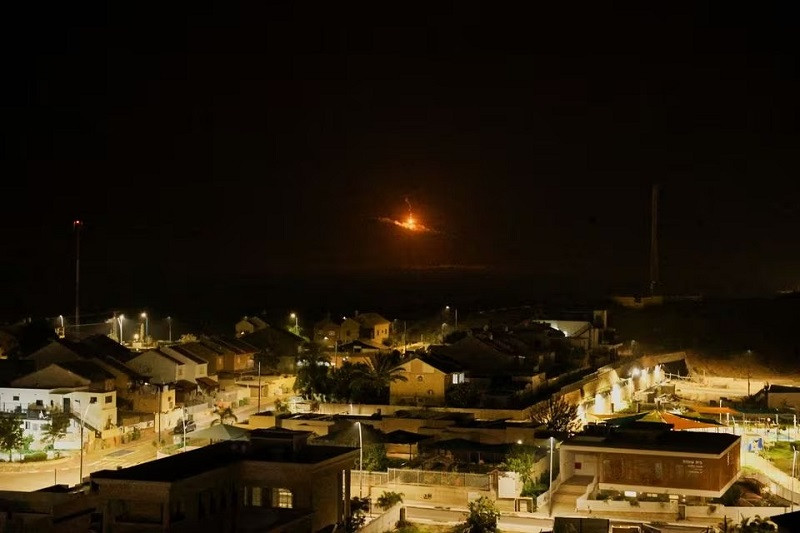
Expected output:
(35, 476)
(443, 515)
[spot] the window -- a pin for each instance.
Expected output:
(15, 398)
(282, 498)
(93, 399)
(40, 403)
(177, 510)
(255, 499)
(109, 399)
(455, 379)
(420, 379)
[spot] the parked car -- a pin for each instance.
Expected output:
(190, 426)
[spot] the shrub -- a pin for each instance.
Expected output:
(389, 498)
(483, 515)
(34, 457)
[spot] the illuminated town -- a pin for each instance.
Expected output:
(463, 269)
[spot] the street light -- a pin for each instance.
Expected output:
(360, 462)
(296, 323)
(83, 425)
(120, 318)
(794, 462)
(550, 487)
(146, 325)
(169, 323)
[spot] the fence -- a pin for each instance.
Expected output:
(423, 477)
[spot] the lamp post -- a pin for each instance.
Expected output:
(169, 323)
(62, 333)
(550, 487)
(360, 462)
(146, 326)
(184, 428)
(120, 318)
(258, 409)
(794, 462)
(296, 323)
(83, 424)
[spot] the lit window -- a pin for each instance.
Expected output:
(455, 379)
(255, 499)
(282, 498)
(420, 378)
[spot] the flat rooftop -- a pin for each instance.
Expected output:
(195, 462)
(658, 440)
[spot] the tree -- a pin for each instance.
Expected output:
(358, 509)
(483, 515)
(224, 414)
(380, 373)
(313, 381)
(11, 434)
(375, 457)
(347, 384)
(463, 395)
(556, 414)
(521, 460)
(57, 427)
(389, 499)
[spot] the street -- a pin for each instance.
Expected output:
(34, 476)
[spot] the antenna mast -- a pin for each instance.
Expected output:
(654, 240)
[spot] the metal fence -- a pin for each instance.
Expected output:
(402, 476)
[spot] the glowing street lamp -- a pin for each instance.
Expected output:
(169, 323)
(296, 323)
(360, 462)
(146, 325)
(120, 318)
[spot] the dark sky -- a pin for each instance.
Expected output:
(218, 143)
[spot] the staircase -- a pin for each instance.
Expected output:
(567, 494)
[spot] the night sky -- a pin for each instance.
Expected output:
(211, 145)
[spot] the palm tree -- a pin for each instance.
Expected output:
(381, 372)
(224, 414)
(313, 379)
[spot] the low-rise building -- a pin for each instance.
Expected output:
(331, 331)
(782, 397)
(372, 327)
(274, 482)
(651, 458)
(159, 366)
(249, 324)
(427, 379)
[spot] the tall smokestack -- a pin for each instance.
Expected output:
(654, 241)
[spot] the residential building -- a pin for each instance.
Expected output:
(282, 344)
(782, 397)
(196, 366)
(249, 324)
(233, 356)
(159, 366)
(56, 509)
(372, 327)
(651, 458)
(275, 482)
(427, 380)
(330, 331)
(78, 387)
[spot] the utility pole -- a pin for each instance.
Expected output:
(258, 409)
(405, 341)
(76, 224)
(654, 240)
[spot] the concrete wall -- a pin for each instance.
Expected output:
(384, 522)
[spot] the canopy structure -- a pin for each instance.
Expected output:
(401, 436)
(350, 436)
(680, 422)
(219, 432)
